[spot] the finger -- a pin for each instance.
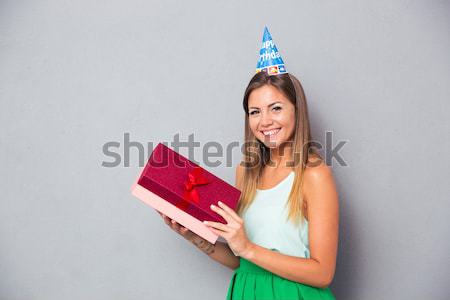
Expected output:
(218, 232)
(175, 225)
(161, 214)
(222, 213)
(166, 220)
(185, 231)
(230, 211)
(217, 225)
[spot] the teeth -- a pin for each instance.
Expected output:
(271, 132)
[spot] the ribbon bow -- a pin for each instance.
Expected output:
(195, 178)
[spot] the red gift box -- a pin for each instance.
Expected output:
(186, 185)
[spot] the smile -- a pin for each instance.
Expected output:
(271, 132)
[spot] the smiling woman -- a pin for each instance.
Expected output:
(286, 227)
(282, 239)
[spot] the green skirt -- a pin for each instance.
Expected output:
(251, 282)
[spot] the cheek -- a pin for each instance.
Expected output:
(288, 122)
(290, 129)
(286, 119)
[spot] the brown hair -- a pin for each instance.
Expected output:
(301, 144)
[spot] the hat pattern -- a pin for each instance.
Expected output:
(270, 60)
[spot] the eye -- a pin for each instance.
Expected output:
(252, 112)
(277, 108)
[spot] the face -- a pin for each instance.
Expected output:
(271, 116)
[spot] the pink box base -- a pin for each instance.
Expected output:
(173, 212)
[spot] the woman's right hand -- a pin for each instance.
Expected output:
(194, 238)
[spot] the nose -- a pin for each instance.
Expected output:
(266, 120)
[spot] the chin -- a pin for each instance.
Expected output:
(272, 144)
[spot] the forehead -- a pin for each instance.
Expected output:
(266, 95)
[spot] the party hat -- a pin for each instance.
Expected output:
(270, 60)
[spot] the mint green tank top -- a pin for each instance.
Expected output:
(266, 225)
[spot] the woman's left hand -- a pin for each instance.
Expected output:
(233, 232)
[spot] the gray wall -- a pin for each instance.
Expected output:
(75, 75)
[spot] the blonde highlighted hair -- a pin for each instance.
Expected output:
(301, 148)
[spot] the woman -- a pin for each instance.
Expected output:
(282, 240)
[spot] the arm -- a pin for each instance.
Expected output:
(322, 199)
(223, 254)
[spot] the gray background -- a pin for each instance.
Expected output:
(75, 75)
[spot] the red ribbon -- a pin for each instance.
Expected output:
(195, 178)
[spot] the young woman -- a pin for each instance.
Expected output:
(282, 240)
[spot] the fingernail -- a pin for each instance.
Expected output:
(212, 206)
(220, 203)
(205, 222)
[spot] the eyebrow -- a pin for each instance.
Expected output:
(267, 105)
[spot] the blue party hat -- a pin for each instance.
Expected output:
(270, 60)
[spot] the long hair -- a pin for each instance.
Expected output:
(257, 155)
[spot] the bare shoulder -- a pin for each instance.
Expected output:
(317, 169)
(317, 175)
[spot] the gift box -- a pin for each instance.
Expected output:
(183, 191)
